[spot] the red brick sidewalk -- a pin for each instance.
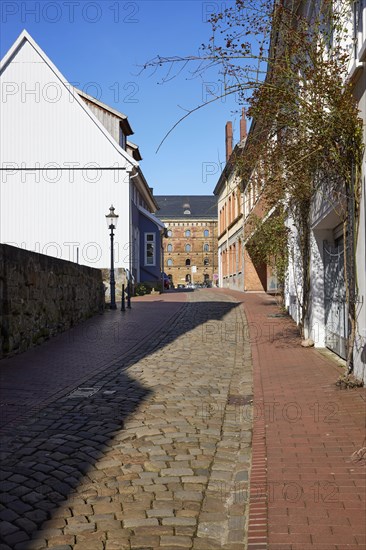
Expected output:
(305, 431)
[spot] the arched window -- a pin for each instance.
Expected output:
(188, 278)
(170, 262)
(206, 233)
(187, 233)
(206, 261)
(206, 248)
(169, 248)
(188, 248)
(169, 233)
(188, 261)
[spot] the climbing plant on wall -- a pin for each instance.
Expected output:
(288, 61)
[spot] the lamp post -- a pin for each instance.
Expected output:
(112, 220)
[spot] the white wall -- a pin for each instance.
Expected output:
(360, 344)
(44, 126)
(43, 122)
(293, 283)
(35, 214)
(315, 328)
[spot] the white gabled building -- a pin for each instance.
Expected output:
(64, 159)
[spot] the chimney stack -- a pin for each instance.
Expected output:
(229, 139)
(243, 126)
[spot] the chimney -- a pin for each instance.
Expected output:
(243, 126)
(229, 139)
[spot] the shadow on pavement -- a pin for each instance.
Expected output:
(45, 458)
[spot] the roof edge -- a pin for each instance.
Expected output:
(25, 37)
(106, 107)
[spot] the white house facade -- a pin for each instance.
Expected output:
(64, 159)
(327, 322)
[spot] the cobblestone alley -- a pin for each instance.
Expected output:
(152, 452)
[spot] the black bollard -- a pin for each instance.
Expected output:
(129, 295)
(123, 308)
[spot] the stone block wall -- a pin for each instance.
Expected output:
(41, 296)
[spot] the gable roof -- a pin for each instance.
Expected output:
(23, 38)
(184, 206)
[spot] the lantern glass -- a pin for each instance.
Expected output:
(112, 218)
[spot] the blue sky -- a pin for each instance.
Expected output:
(101, 46)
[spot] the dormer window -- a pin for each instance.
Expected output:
(186, 209)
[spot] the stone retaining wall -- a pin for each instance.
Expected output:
(41, 296)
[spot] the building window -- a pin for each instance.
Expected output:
(150, 249)
(188, 248)
(122, 139)
(206, 233)
(169, 233)
(169, 248)
(206, 248)
(169, 262)
(186, 209)
(187, 233)
(188, 278)
(188, 262)
(206, 262)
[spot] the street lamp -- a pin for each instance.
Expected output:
(112, 220)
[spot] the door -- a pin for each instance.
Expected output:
(336, 310)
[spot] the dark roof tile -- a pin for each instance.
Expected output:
(184, 206)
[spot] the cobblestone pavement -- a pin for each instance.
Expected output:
(152, 453)
(30, 380)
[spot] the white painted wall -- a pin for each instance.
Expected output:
(57, 218)
(315, 329)
(42, 121)
(324, 220)
(293, 283)
(360, 344)
(43, 126)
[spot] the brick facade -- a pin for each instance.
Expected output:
(190, 243)
(238, 197)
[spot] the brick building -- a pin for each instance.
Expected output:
(190, 248)
(237, 197)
